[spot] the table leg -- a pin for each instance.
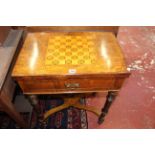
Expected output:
(35, 103)
(109, 100)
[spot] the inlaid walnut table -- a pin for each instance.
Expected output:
(70, 63)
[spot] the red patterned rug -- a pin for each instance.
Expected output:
(71, 118)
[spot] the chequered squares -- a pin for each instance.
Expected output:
(70, 50)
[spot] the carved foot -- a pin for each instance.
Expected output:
(101, 118)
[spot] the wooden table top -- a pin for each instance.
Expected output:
(63, 53)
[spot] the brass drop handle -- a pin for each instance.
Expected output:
(72, 85)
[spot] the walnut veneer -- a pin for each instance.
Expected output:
(70, 62)
(93, 60)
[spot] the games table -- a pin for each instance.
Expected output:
(70, 63)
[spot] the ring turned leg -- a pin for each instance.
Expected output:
(109, 100)
(34, 102)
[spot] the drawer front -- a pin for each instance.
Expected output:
(37, 85)
(97, 83)
(42, 86)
